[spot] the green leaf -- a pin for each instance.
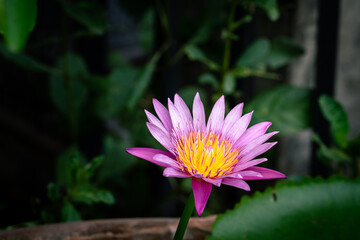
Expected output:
(90, 167)
(146, 30)
(208, 78)
(69, 213)
(314, 209)
(283, 50)
(332, 154)
(270, 7)
(67, 165)
(229, 83)
(143, 81)
(202, 33)
(195, 54)
(255, 54)
(336, 115)
(115, 97)
(93, 195)
(66, 90)
(89, 13)
(287, 107)
(17, 19)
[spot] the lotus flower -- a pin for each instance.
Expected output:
(221, 151)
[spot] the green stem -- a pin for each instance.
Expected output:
(188, 210)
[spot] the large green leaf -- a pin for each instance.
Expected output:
(255, 54)
(313, 209)
(336, 115)
(89, 13)
(287, 107)
(17, 19)
(283, 50)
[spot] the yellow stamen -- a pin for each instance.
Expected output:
(206, 155)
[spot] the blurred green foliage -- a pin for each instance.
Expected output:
(343, 154)
(73, 188)
(115, 100)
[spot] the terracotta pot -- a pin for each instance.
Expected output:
(114, 229)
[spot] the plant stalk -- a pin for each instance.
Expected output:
(188, 210)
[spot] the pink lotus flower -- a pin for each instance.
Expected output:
(219, 152)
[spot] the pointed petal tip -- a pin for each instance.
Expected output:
(155, 101)
(128, 150)
(201, 190)
(265, 172)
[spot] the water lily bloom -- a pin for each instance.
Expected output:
(221, 151)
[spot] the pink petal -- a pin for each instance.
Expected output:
(240, 127)
(166, 160)
(216, 118)
(180, 125)
(252, 133)
(162, 137)
(163, 114)
(248, 173)
(232, 117)
(240, 166)
(214, 181)
(171, 172)
(243, 174)
(149, 153)
(154, 120)
(265, 172)
(198, 114)
(236, 183)
(182, 107)
(202, 192)
(256, 142)
(256, 151)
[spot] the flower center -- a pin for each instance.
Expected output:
(206, 155)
